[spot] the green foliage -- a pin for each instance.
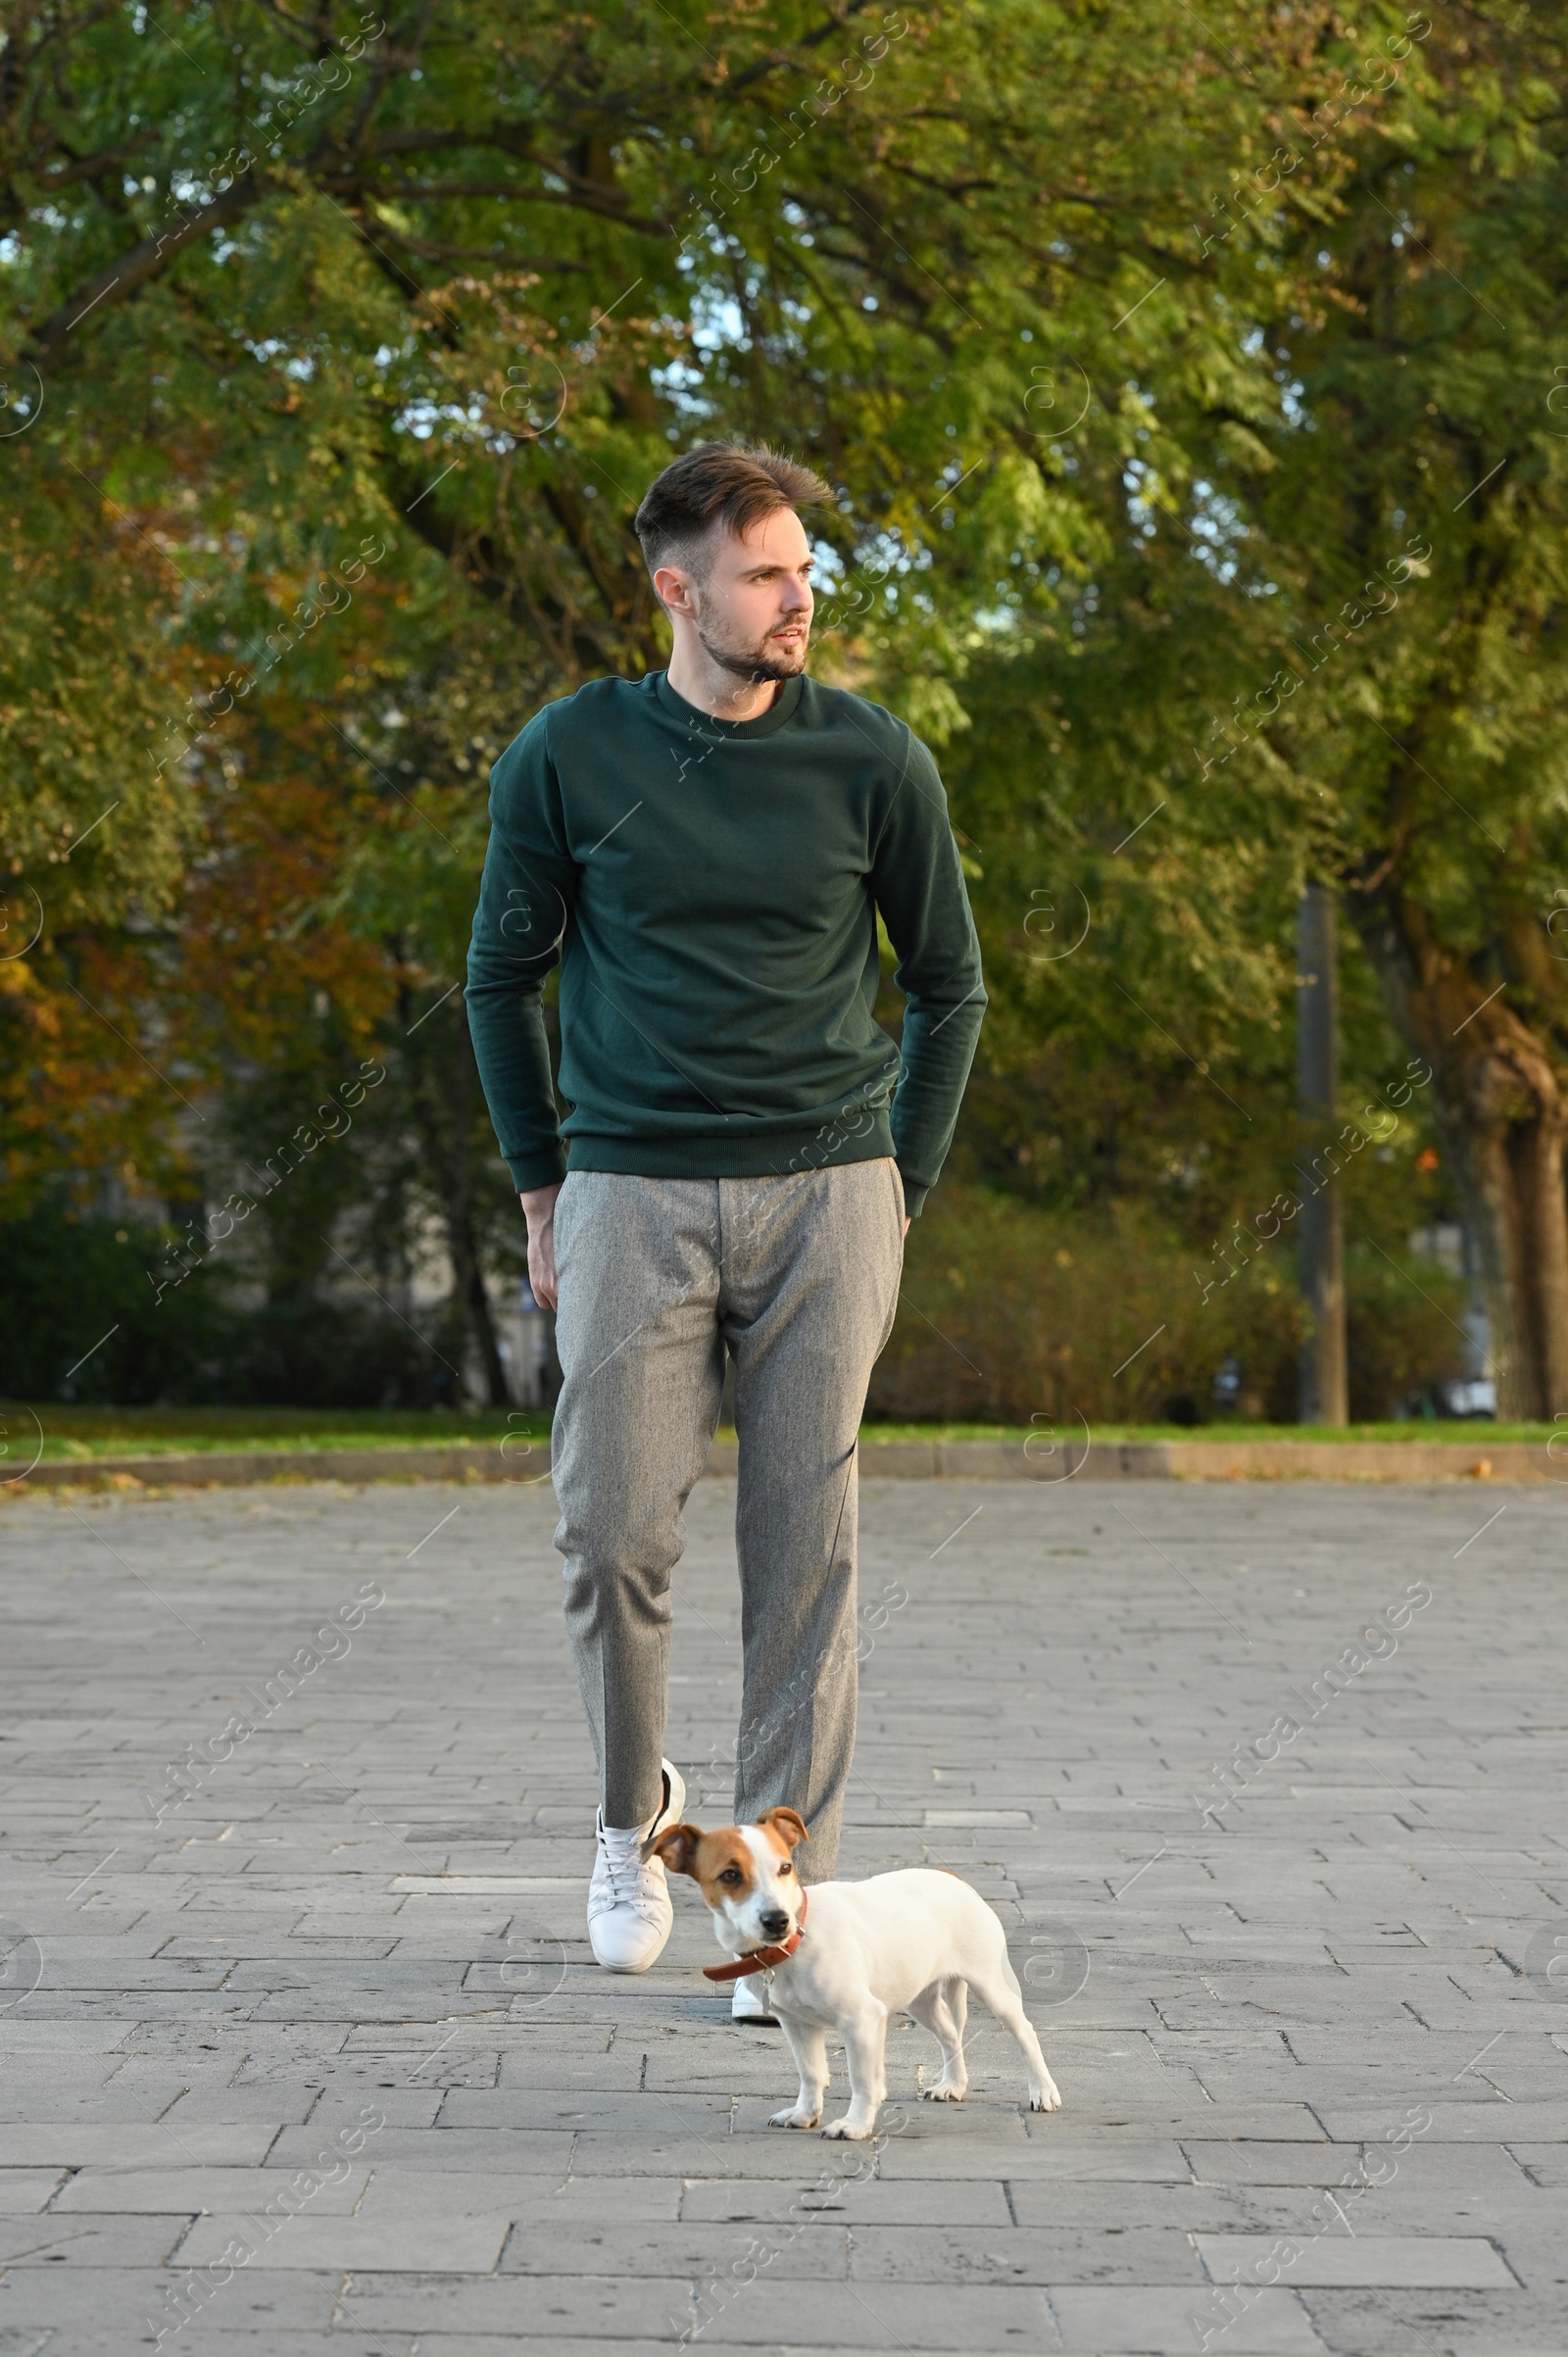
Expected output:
(92, 1317)
(461, 285)
(83, 1321)
(1419, 525)
(336, 358)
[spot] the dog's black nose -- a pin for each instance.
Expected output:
(775, 1923)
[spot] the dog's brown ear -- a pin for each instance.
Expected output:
(787, 1823)
(677, 1846)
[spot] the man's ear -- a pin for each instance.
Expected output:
(677, 1846)
(787, 1823)
(672, 588)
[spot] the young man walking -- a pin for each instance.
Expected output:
(706, 852)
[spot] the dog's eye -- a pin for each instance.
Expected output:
(785, 1869)
(731, 1874)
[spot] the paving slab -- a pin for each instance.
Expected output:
(1110, 2320)
(1396, 2262)
(69, 2144)
(1470, 2323)
(752, 2312)
(405, 2243)
(335, 2004)
(195, 2190)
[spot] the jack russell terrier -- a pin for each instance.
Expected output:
(913, 1942)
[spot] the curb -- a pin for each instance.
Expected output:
(1366, 1460)
(525, 1464)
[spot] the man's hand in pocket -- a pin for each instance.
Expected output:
(539, 1210)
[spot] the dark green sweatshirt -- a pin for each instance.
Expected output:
(710, 889)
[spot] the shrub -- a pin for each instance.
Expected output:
(72, 1282)
(1009, 1313)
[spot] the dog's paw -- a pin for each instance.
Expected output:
(794, 2118)
(943, 2092)
(846, 2130)
(1047, 2099)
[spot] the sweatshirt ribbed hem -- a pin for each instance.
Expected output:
(769, 1153)
(692, 1157)
(532, 1170)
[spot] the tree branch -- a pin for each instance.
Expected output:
(131, 272)
(488, 569)
(431, 249)
(93, 168)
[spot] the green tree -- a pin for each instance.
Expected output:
(1314, 632)
(296, 310)
(272, 285)
(1412, 503)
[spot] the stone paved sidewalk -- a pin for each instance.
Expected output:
(300, 2042)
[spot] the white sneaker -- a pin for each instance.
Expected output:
(629, 1910)
(751, 2002)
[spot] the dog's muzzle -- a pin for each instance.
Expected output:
(759, 1959)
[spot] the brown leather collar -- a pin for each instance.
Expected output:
(758, 1959)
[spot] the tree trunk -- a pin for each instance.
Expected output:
(441, 1116)
(468, 1273)
(1322, 1385)
(1503, 1119)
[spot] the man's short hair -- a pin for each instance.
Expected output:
(723, 484)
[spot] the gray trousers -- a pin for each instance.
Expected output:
(799, 1276)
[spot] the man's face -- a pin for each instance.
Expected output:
(751, 609)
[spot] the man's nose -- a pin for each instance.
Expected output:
(775, 1921)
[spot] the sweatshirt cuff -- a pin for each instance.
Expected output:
(913, 1198)
(545, 1169)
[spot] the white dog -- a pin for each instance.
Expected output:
(914, 1942)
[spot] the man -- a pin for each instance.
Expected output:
(706, 851)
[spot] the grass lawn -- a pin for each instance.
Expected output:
(91, 1432)
(95, 1432)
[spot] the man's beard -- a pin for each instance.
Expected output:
(766, 661)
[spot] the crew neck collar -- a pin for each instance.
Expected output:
(778, 713)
